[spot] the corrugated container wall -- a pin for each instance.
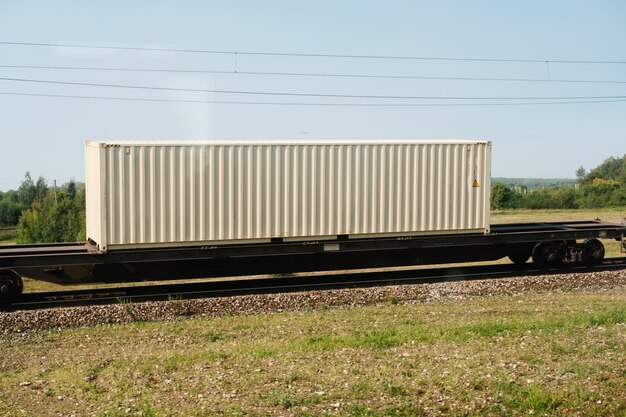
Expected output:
(168, 194)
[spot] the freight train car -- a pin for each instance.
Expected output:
(166, 210)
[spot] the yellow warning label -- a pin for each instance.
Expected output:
(475, 185)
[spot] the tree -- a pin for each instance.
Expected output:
(600, 193)
(610, 169)
(27, 191)
(41, 189)
(10, 212)
(60, 219)
(71, 189)
(502, 197)
(580, 174)
(622, 173)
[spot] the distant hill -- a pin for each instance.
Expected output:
(534, 183)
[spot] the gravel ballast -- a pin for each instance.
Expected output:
(69, 317)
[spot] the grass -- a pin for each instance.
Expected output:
(613, 215)
(8, 236)
(551, 354)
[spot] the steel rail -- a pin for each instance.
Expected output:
(225, 288)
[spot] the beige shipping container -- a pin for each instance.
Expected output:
(143, 194)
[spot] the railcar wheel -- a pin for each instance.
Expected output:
(546, 255)
(519, 258)
(11, 286)
(593, 252)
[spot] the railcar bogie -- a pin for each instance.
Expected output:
(592, 252)
(11, 286)
(555, 254)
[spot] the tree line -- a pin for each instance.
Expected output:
(603, 186)
(44, 214)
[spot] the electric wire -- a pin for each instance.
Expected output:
(308, 74)
(313, 55)
(299, 94)
(308, 104)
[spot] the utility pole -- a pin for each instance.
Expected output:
(55, 192)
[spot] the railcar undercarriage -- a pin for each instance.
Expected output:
(550, 245)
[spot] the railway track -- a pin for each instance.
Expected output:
(190, 290)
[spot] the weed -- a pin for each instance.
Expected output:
(393, 300)
(264, 352)
(403, 410)
(393, 390)
(539, 399)
(209, 356)
(127, 304)
(375, 339)
(293, 377)
(144, 408)
(492, 329)
(321, 342)
(175, 361)
(360, 389)
(93, 388)
(558, 349)
(576, 369)
(604, 317)
(284, 401)
(96, 370)
(178, 307)
(213, 337)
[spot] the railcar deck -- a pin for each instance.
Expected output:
(503, 239)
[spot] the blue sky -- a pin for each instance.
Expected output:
(45, 135)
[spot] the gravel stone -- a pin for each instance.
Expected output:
(71, 317)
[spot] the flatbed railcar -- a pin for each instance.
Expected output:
(171, 210)
(550, 245)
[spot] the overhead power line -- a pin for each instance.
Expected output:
(308, 104)
(307, 74)
(313, 55)
(298, 94)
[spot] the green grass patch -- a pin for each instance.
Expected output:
(531, 397)
(8, 235)
(540, 354)
(406, 409)
(614, 214)
(374, 339)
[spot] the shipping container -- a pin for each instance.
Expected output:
(167, 194)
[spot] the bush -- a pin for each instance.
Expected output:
(59, 217)
(601, 193)
(502, 197)
(10, 212)
(551, 198)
